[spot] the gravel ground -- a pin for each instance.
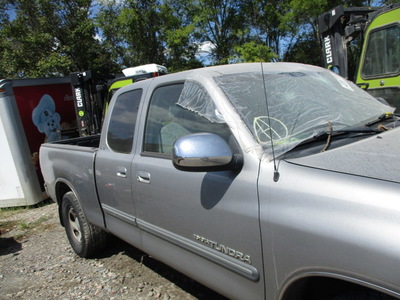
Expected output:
(36, 262)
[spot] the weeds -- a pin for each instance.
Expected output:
(5, 226)
(17, 209)
(11, 211)
(19, 228)
(23, 225)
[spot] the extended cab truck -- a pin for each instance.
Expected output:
(261, 181)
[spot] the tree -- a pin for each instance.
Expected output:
(24, 44)
(266, 18)
(56, 37)
(112, 34)
(131, 32)
(221, 22)
(50, 38)
(142, 32)
(306, 50)
(178, 33)
(253, 52)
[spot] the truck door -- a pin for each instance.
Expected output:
(204, 224)
(113, 166)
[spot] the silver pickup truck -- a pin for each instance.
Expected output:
(261, 181)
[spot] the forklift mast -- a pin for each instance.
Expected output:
(88, 103)
(93, 93)
(378, 69)
(337, 28)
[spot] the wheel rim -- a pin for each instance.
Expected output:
(74, 225)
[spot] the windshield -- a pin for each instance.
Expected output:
(300, 105)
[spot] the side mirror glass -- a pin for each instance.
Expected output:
(203, 152)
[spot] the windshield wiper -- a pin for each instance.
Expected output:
(343, 131)
(381, 118)
(330, 133)
(352, 131)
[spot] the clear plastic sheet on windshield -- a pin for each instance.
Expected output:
(295, 106)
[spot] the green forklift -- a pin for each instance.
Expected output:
(378, 69)
(92, 94)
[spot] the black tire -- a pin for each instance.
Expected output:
(86, 239)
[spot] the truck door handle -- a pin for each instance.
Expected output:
(121, 172)
(143, 176)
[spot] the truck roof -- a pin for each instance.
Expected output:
(267, 67)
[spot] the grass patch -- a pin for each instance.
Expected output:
(42, 219)
(7, 226)
(16, 209)
(23, 225)
(20, 227)
(11, 211)
(34, 224)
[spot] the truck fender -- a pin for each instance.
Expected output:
(92, 210)
(329, 285)
(62, 187)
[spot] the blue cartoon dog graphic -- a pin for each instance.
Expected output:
(46, 119)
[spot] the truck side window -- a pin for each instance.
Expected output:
(167, 121)
(122, 121)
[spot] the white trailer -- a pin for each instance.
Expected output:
(32, 111)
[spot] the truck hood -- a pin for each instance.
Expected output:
(375, 157)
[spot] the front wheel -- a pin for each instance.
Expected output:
(86, 239)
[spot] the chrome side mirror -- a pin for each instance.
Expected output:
(203, 152)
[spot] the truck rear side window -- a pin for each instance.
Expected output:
(122, 122)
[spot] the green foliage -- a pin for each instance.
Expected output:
(253, 52)
(142, 32)
(268, 20)
(222, 22)
(178, 35)
(45, 38)
(140, 25)
(50, 38)
(23, 225)
(305, 50)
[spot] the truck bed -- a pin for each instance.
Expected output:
(75, 164)
(86, 141)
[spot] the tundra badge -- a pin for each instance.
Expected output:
(223, 249)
